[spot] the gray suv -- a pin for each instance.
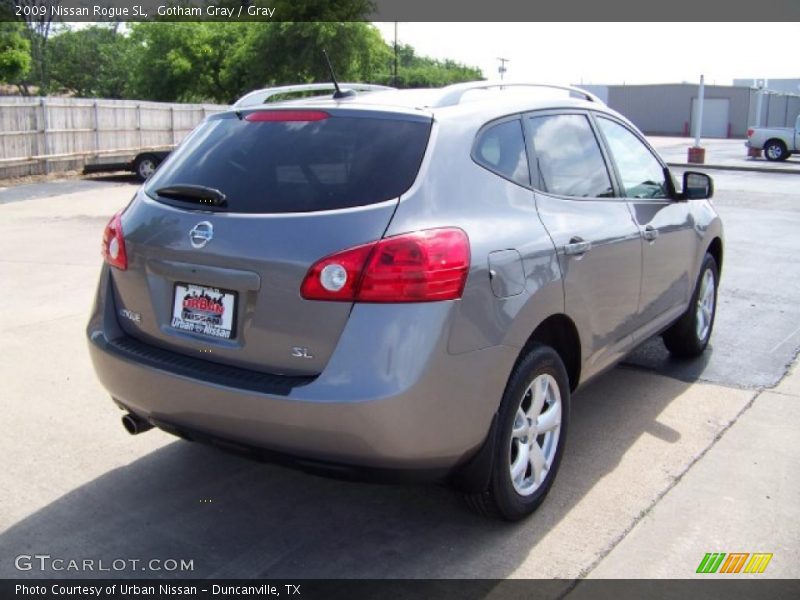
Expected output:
(400, 283)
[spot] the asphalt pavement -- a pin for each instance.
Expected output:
(60, 187)
(650, 441)
(757, 330)
(721, 154)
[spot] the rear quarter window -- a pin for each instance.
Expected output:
(501, 149)
(298, 166)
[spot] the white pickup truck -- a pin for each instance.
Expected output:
(778, 143)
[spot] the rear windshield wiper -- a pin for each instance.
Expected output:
(193, 193)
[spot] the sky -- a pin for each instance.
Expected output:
(611, 53)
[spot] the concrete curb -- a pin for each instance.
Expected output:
(735, 168)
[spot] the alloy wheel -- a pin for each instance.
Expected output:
(534, 434)
(705, 305)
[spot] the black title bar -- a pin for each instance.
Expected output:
(734, 588)
(404, 10)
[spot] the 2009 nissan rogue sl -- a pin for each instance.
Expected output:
(408, 283)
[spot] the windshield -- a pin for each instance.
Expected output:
(280, 166)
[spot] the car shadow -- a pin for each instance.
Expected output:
(652, 355)
(235, 517)
(115, 177)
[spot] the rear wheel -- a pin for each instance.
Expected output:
(775, 150)
(144, 166)
(532, 427)
(689, 335)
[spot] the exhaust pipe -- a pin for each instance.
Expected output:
(134, 424)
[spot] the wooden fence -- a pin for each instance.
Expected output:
(45, 135)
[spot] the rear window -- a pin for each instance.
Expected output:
(297, 166)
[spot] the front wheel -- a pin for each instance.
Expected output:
(689, 335)
(532, 428)
(775, 150)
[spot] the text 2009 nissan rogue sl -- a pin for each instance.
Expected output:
(408, 283)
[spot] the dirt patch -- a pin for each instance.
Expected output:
(65, 176)
(15, 181)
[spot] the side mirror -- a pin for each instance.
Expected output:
(697, 186)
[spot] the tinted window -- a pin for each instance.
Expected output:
(298, 166)
(501, 148)
(642, 175)
(568, 157)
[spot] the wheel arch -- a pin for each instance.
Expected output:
(560, 333)
(776, 140)
(143, 155)
(715, 249)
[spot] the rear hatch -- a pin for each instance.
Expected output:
(219, 241)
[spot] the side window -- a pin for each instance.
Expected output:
(568, 157)
(501, 148)
(641, 173)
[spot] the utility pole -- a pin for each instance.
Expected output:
(502, 68)
(395, 54)
(698, 126)
(760, 86)
(697, 154)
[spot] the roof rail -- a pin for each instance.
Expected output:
(258, 97)
(452, 94)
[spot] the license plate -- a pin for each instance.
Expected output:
(205, 310)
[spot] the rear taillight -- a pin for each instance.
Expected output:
(424, 266)
(336, 277)
(750, 132)
(113, 249)
(287, 115)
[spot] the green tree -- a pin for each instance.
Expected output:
(94, 61)
(15, 52)
(195, 61)
(191, 61)
(182, 61)
(421, 71)
(38, 28)
(284, 53)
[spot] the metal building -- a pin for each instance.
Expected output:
(669, 109)
(784, 86)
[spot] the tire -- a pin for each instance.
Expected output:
(513, 498)
(689, 335)
(144, 166)
(775, 150)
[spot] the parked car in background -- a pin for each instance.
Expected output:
(409, 283)
(143, 165)
(778, 143)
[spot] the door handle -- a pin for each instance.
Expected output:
(650, 233)
(577, 247)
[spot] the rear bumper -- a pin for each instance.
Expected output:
(391, 396)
